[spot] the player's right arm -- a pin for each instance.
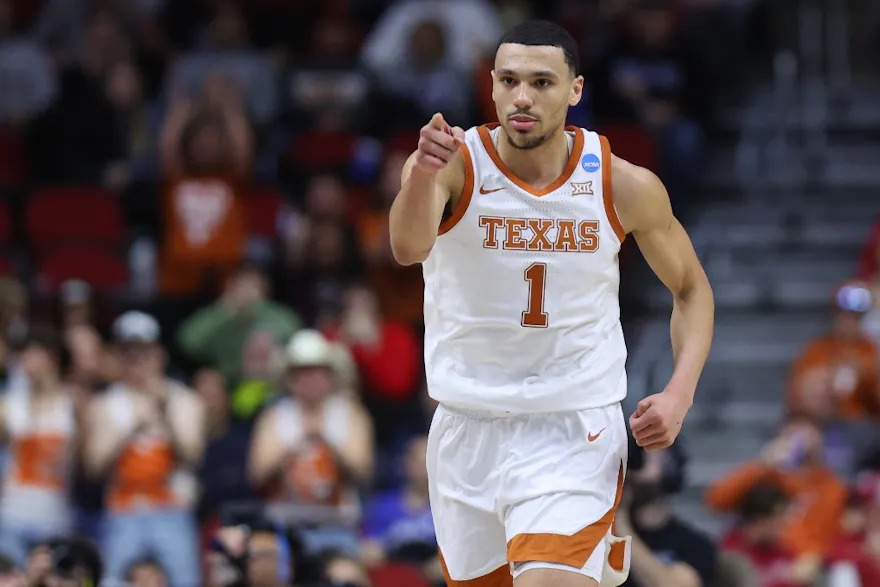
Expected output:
(432, 178)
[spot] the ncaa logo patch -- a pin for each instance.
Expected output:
(590, 163)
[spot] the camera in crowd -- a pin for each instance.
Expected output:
(68, 562)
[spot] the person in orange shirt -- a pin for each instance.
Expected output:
(315, 446)
(206, 152)
(146, 437)
(836, 375)
(38, 419)
(793, 462)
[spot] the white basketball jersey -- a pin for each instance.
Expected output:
(521, 287)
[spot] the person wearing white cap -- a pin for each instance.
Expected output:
(315, 446)
(146, 437)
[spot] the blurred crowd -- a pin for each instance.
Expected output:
(212, 364)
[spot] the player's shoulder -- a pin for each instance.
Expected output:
(638, 193)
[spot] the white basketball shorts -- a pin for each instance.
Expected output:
(514, 492)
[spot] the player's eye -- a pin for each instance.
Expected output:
(543, 83)
(508, 81)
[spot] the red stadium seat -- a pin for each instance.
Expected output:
(102, 269)
(56, 216)
(322, 150)
(263, 207)
(398, 575)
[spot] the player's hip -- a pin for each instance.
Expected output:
(497, 459)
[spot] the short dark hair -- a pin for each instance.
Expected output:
(543, 33)
(762, 501)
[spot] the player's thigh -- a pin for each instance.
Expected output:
(569, 486)
(462, 483)
(544, 577)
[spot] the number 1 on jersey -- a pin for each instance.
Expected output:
(535, 316)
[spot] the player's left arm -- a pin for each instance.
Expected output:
(644, 210)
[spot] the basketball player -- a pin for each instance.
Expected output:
(523, 346)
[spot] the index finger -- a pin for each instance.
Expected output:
(437, 121)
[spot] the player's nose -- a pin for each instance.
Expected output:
(523, 100)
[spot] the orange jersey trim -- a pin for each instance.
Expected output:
(570, 166)
(608, 191)
(467, 191)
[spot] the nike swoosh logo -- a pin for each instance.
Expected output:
(593, 437)
(484, 191)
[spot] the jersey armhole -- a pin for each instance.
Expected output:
(467, 190)
(608, 191)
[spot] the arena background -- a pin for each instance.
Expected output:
(225, 168)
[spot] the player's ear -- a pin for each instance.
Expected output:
(492, 75)
(577, 91)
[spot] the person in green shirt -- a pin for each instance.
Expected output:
(216, 334)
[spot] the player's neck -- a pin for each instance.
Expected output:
(539, 167)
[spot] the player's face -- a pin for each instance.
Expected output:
(532, 87)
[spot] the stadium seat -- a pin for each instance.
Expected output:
(633, 144)
(58, 216)
(322, 150)
(262, 208)
(398, 575)
(99, 267)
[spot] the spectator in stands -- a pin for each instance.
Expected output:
(10, 574)
(225, 52)
(425, 79)
(316, 285)
(398, 524)
(314, 447)
(344, 571)
(138, 127)
(650, 77)
(468, 27)
(388, 357)
(40, 423)
(216, 335)
(90, 366)
(223, 471)
(257, 555)
(260, 370)
(146, 438)
(146, 573)
(855, 559)
(758, 536)
(76, 304)
(206, 152)
(400, 289)
(792, 462)
(665, 551)
(14, 327)
(29, 81)
(329, 90)
(836, 375)
(78, 148)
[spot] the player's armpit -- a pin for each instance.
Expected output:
(417, 211)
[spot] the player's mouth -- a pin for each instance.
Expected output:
(522, 122)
